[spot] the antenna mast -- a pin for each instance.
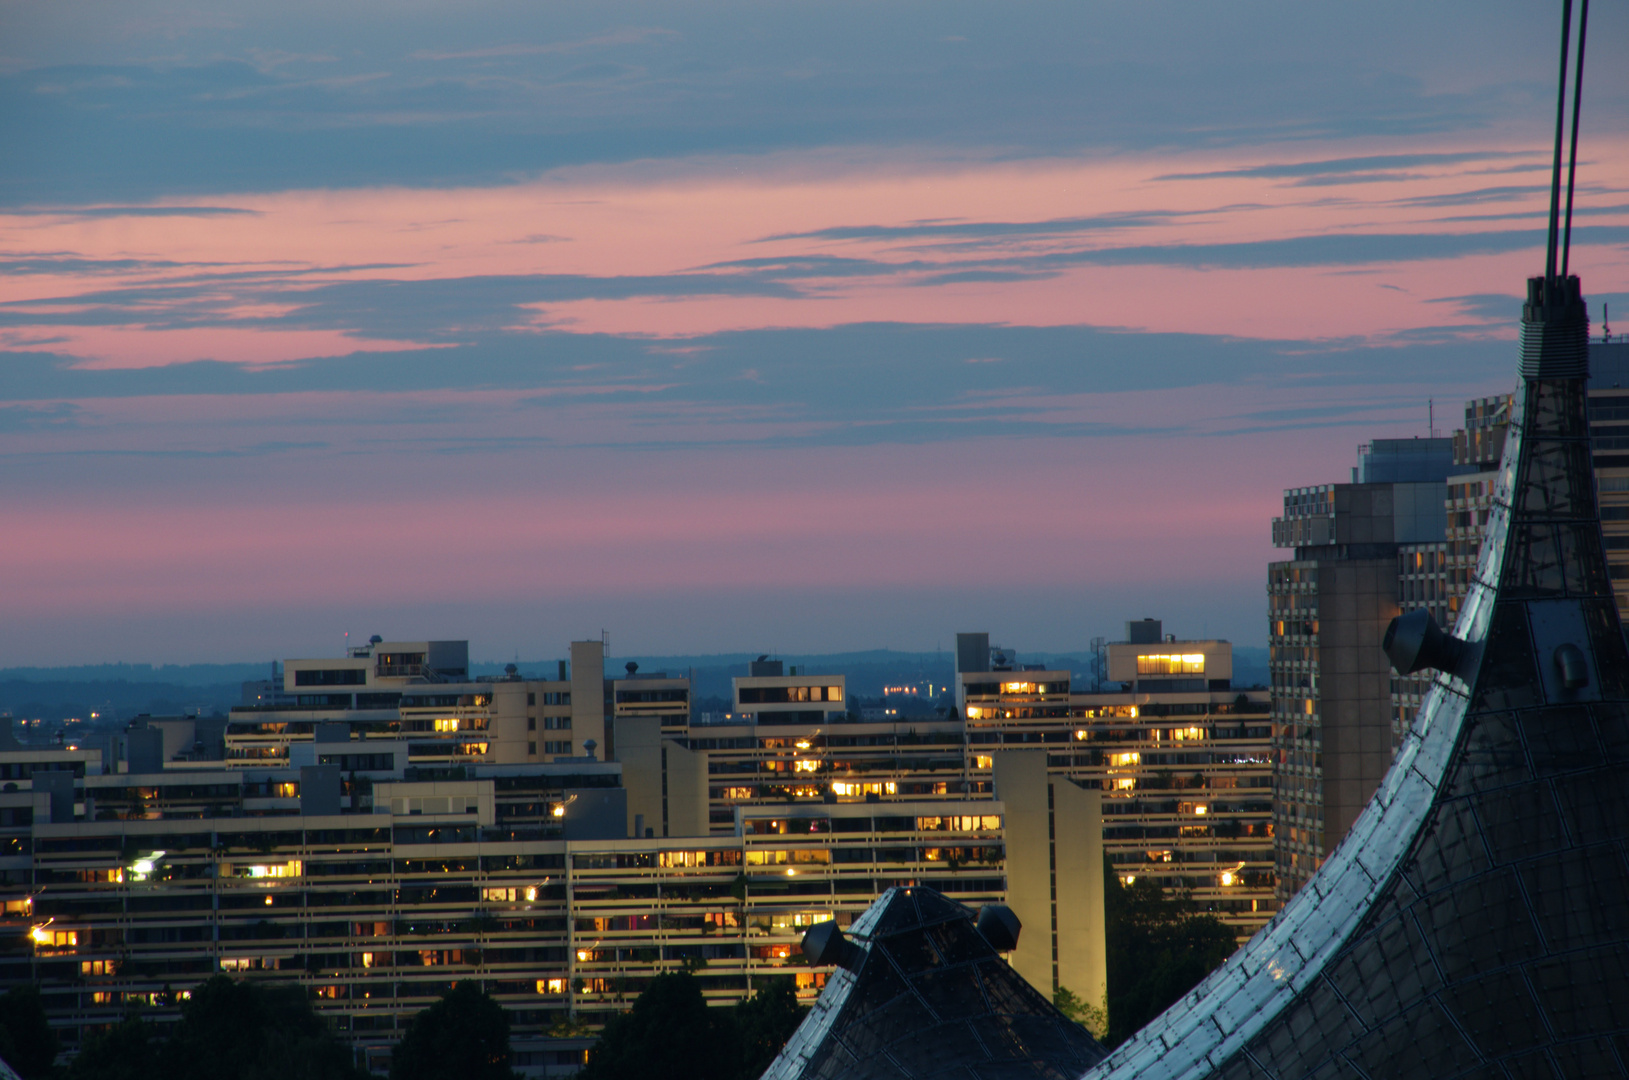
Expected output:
(1560, 237)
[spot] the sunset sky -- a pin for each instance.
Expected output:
(739, 326)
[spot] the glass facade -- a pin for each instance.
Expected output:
(1475, 922)
(923, 994)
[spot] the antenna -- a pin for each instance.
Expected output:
(1577, 99)
(1606, 323)
(1555, 168)
(1557, 238)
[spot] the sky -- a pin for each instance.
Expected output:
(728, 326)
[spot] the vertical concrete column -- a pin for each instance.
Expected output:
(588, 697)
(639, 749)
(1021, 786)
(686, 775)
(1077, 847)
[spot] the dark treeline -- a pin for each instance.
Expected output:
(250, 1031)
(671, 1034)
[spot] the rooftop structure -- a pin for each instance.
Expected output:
(919, 990)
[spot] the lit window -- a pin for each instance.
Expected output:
(983, 761)
(806, 765)
(1171, 664)
(292, 868)
(1122, 760)
(450, 724)
(288, 789)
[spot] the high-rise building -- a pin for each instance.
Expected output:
(1327, 610)
(1436, 576)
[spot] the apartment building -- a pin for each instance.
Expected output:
(376, 884)
(421, 693)
(1183, 761)
(769, 696)
(1328, 608)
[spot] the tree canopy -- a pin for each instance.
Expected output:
(243, 1030)
(27, 1042)
(1159, 947)
(464, 1036)
(671, 1034)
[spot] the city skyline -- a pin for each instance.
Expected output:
(514, 328)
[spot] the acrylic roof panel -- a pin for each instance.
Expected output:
(1475, 921)
(926, 997)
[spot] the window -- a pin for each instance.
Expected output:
(846, 787)
(557, 747)
(531, 748)
(531, 699)
(450, 724)
(1171, 664)
(330, 677)
(531, 723)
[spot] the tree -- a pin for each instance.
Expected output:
(1159, 947)
(127, 1051)
(250, 1031)
(1094, 1018)
(669, 1034)
(27, 1042)
(464, 1036)
(763, 1024)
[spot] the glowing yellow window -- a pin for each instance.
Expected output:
(450, 724)
(1171, 664)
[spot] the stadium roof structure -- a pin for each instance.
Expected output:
(921, 993)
